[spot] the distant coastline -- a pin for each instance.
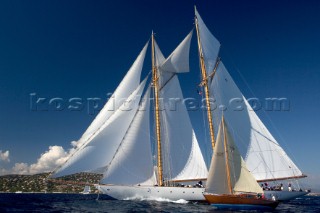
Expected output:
(39, 183)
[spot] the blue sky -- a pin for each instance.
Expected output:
(83, 49)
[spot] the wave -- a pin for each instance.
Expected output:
(180, 201)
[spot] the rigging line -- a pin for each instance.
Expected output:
(260, 133)
(211, 75)
(89, 138)
(171, 77)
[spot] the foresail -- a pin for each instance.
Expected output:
(132, 162)
(95, 155)
(129, 83)
(178, 61)
(210, 45)
(263, 155)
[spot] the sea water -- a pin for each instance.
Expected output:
(57, 202)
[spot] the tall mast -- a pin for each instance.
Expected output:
(227, 155)
(205, 85)
(155, 79)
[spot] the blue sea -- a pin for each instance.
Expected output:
(40, 202)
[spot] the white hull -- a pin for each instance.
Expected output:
(284, 195)
(153, 193)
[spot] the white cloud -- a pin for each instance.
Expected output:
(49, 160)
(4, 156)
(20, 168)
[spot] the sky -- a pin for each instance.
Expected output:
(78, 48)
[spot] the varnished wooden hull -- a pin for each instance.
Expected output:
(243, 201)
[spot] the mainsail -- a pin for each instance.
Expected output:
(228, 173)
(263, 155)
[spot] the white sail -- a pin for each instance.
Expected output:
(266, 158)
(178, 61)
(98, 152)
(263, 155)
(86, 190)
(182, 157)
(132, 163)
(228, 172)
(210, 45)
(129, 83)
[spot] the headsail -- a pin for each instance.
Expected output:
(183, 159)
(129, 83)
(228, 173)
(99, 151)
(132, 163)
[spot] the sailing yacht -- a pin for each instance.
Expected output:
(86, 190)
(118, 142)
(265, 158)
(237, 188)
